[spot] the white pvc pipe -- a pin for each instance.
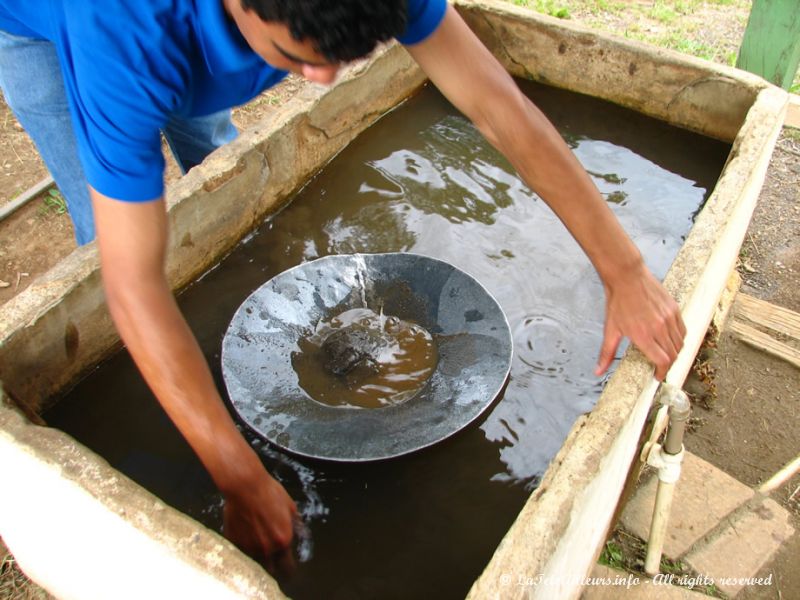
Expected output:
(658, 527)
(785, 474)
(667, 459)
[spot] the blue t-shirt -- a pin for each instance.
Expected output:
(129, 65)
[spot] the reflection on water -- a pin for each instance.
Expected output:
(423, 180)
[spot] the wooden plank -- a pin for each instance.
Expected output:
(771, 44)
(768, 315)
(762, 341)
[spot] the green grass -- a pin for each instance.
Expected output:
(685, 7)
(54, 202)
(682, 41)
(660, 23)
(612, 556)
(662, 12)
(546, 7)
(564, 9)
(678, 41)
(625, 552)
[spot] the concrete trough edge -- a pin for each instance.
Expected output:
(680, 89)
(559, 532)
(82, 530)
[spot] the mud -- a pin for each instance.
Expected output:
(364, 359)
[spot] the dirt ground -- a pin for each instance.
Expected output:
(747, 405)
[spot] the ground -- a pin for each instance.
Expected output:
(746, 410)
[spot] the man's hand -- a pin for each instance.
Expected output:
(472, 79)
(639, 308)
(259, 518)
(132, 242)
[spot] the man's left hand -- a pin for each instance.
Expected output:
(471, 78)
(639, 308)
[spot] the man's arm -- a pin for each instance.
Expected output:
(637, 306)
(132, 241)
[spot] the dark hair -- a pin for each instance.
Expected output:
(340, 30)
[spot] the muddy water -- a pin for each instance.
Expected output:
(424, 180)
(381, 360)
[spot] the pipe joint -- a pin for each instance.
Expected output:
(679, 411)
(668, 465)
(676, 399)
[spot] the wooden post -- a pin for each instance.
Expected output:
(771, 44)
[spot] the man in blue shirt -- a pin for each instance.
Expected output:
(133, 69)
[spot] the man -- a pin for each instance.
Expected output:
(133, 69)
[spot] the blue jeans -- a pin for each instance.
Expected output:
(30, 77)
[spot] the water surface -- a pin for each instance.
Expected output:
(424, 180)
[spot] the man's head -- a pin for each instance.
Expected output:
(313, 37)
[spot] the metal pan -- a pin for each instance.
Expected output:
(471, 332)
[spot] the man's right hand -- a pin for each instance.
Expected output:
(132, 238)
(259, 518)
